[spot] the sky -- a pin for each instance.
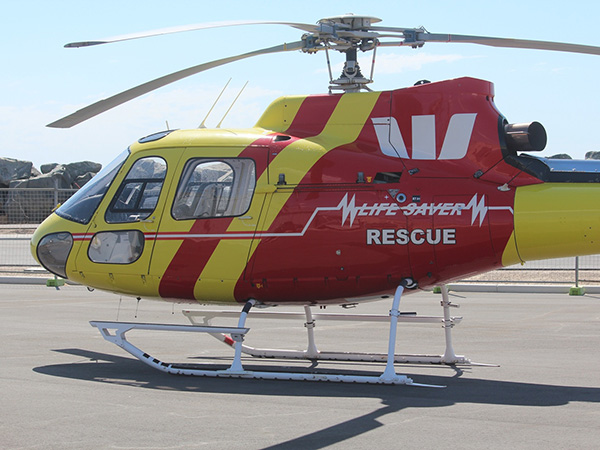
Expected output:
(41, 81)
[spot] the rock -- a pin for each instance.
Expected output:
(68, 176)
(33, 206)
(78, 169)
(13, 169)
(592, 155)
(63, 175)
(58, 178)
(560, 156)
(47, 168)
(81, 180)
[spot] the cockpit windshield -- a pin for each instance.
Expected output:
(82, 205)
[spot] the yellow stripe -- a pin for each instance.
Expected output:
(348, 119)
(343, 127)
(166, 250)
(219, 277)
(227, 264)
(280, 114)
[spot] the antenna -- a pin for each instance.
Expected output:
(214, 104)
(238, 96)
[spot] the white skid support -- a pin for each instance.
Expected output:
(121, 328)
(312, 353)
(236, 370)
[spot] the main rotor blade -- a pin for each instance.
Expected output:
(510, 43)
(106, 104)
(421, 36)
(184, 28)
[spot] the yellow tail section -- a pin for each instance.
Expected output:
(554, 220)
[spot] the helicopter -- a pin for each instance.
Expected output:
(329, 199)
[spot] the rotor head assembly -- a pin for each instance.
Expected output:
(342, 33)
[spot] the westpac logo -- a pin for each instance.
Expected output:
(455, 145)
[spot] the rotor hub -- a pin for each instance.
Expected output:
(351, 21)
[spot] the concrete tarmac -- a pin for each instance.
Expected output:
(63, 386)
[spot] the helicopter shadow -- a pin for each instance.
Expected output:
(125, 371)
(107, 368)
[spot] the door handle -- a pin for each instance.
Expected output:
(246, 219)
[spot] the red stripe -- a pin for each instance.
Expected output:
(313, 115)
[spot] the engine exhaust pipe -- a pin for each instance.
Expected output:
(525, 137)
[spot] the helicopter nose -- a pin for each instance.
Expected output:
(52, 252)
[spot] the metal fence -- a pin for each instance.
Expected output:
(573, 271)
(21, 210)
(30, 206)
(15, 255)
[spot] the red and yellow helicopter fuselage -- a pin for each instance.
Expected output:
(328, 199)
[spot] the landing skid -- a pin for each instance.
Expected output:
(312, 353)
(234, 336)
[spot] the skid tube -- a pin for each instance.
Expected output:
(237, 334)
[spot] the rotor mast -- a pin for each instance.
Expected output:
(346, 34)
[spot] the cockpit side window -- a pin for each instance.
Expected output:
(214, 188)
(138, 194)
